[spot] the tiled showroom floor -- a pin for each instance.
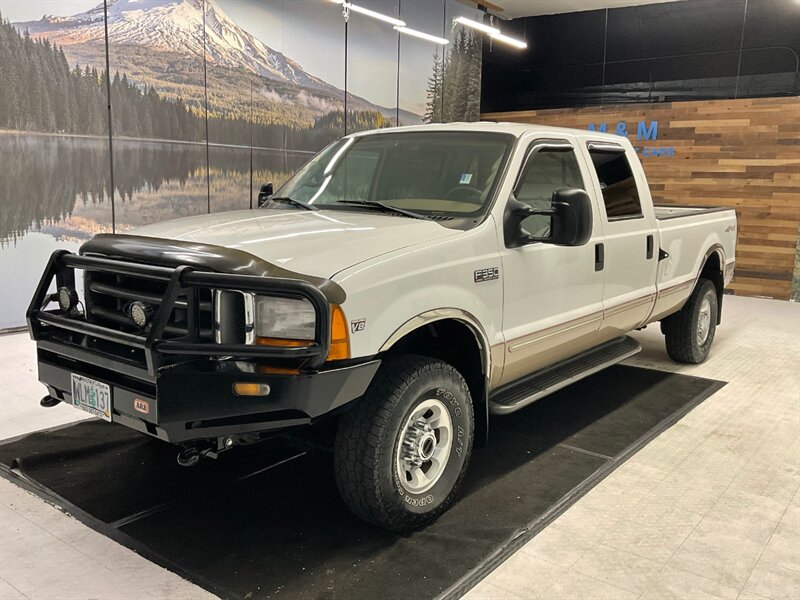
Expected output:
(709, 509)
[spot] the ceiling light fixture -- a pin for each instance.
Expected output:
(491, 31)
(423, 36)
(509, 40)
(477, 25)
(370, 13)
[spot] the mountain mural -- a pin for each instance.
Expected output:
(160, 44)
(174, 154)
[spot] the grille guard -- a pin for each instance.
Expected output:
(181, 281)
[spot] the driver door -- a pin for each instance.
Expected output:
(553, 304)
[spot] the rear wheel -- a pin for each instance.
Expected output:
(689, 333)
(402, 450)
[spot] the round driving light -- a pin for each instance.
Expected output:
(140, 313)
(67, 298)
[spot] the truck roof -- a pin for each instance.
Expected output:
(515, 129)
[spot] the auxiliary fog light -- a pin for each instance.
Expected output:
(251, 389)
(67, 298)
(140, 313)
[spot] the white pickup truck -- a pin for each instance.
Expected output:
(405, 284)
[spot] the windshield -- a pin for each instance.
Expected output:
(435, 173)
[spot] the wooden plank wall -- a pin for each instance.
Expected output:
(743, 153)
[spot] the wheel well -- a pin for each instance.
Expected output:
(455, 343)
(713, 271)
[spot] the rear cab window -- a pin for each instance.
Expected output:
(620, 193)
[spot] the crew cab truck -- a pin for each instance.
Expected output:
(404, 284)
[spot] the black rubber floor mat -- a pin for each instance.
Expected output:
(266, 521)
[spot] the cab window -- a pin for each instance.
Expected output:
(546, 171)
(620, 195)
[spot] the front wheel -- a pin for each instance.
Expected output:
(402, 450)
(689, 333)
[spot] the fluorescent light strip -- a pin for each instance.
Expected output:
(509, 40)
(371, 13)
(493, 32)
(478, 25)
(423, 36)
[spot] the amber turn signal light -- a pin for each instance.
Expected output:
(340, 336)
(286, 343)
(251, 389)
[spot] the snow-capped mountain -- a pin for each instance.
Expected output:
(177, 25)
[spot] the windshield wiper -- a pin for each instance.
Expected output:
(289, 200)
(384, 206)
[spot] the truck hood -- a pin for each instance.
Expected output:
(319, 243)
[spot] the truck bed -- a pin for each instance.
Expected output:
(685, 244)
(672, 211)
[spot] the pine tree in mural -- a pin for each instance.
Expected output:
(433, 109)
(40, 92)
(454, 87)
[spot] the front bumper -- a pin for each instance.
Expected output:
(182, 379)
(195, 400)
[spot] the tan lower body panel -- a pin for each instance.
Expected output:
(625, 317)
(670, 299)
(543, 348)
(535, 351)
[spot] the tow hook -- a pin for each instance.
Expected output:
(190, 456)
(49, 402)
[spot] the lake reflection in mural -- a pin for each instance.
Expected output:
(59, 184)
(53, 194)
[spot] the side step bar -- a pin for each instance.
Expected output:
(521, 393)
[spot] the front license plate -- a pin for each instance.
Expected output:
(92, 396)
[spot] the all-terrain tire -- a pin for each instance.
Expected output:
(686, 339)
(368, 442)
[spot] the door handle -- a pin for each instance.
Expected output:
(599, 256)
(650, 246)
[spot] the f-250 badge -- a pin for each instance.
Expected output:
(487, 274)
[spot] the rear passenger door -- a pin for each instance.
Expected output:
(628, 256)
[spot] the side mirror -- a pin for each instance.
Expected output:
(264, 195)
(570, 220)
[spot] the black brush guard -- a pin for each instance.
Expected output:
(182, 281)
(187, 382)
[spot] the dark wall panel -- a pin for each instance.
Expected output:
(771, 49)
(673, 29)
(563, 63)
(695, 49)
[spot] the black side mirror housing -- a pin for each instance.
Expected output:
(264, 195)
(570, 220)
(516, 212)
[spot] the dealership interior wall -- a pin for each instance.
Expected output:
(649, 480)
(715, 117)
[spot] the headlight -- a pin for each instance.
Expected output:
(284, 318)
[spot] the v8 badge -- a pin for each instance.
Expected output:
(358, 325)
